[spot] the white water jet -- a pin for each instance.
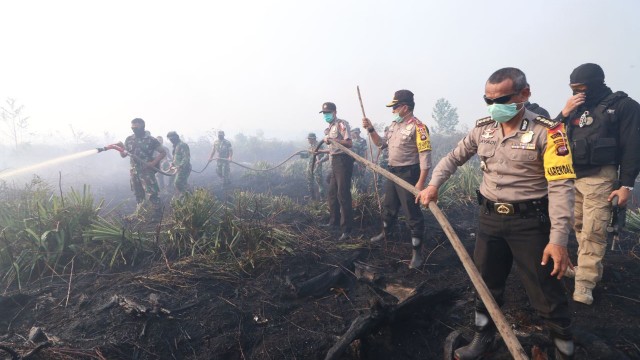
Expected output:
(58, 160)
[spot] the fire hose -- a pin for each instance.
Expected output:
(136, 158)
(253, 169)
(514, 346)
(121, 150)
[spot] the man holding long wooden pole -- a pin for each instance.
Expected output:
(410, 160)
(526, 200)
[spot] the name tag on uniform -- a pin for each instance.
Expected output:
(524, 146)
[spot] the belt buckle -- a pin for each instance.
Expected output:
(503, 208)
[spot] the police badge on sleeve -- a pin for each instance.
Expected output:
(422, 138)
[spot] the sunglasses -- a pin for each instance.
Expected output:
(394, 107)
(499, 100)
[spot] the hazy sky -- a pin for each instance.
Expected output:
(243, 66)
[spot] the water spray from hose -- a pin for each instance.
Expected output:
(58, 160)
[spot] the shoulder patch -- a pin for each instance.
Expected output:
(548, 123)
(484, 121)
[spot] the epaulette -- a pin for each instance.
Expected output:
(484, 121)
(548, 123)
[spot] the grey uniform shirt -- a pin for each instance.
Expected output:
(529, 164)
(338, 129)
(403, 149)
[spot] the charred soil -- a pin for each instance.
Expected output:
(299, 305)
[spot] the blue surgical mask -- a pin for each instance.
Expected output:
(328, 117)
(503, 112)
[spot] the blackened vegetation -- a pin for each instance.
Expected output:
(311, 298)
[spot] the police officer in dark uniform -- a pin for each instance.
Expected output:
(526, 200)
(604, 130)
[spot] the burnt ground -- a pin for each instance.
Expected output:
(197, 308)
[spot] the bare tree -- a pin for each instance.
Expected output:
(15, 123)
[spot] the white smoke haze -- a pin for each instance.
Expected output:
(82, 70)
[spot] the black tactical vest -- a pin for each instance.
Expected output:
(596, 141)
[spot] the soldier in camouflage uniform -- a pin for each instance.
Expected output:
(143, 179)
(181, 162)
(223, 148)
(360, 148)
(315, 181)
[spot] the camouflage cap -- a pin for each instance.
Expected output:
(356, 130)
(311, 136)
(172, 134)
(220, 132)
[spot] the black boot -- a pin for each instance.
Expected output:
(378, 238)
(562, 338)
(482, 341)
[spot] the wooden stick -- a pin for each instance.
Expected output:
(375, 174)
(500, 321)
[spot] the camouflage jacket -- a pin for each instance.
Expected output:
(222, 148)
(181, 155)
(360, 147)
(143, 148)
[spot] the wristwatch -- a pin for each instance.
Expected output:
(630, 188)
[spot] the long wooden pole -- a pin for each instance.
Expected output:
(375, 174)
(508, 336)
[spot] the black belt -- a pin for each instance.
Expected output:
(515, 208)
(397, 169)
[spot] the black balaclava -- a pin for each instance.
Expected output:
(592, 76)
(138, 131)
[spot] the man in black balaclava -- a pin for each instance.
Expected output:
(604, 132)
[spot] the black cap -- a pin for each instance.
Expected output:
(328, 107)
(172, 134)
(311, 136)
(402, 97)
(587, 74)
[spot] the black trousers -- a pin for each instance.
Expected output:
(340, 203)
(501, 240)
(395, 197)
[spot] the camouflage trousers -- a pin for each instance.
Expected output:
(223, 170)
(180, 179)
(143, 183)
(592, 214)
(316, 183)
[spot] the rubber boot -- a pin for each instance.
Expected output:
(564, 349)
(378, 238)
(482, 340)
(416, 254)
(563, 341)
